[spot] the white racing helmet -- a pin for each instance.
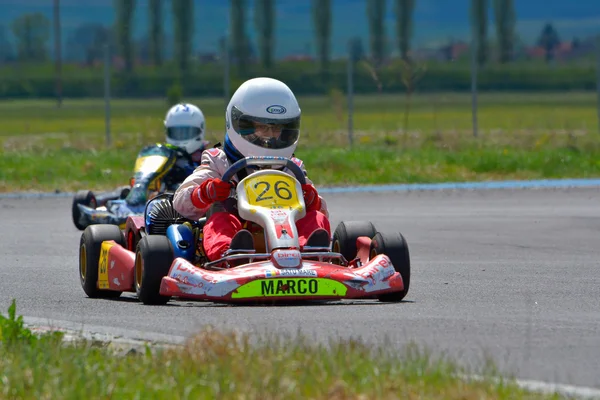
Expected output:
(263, 101)
(185, 126)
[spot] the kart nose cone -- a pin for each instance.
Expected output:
(286, 258)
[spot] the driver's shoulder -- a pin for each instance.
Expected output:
(215, 159)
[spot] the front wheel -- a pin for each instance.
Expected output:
(124, 192)
(345, 235)
(153, 259)
(90, 245)
(85, 198)
(395, 247)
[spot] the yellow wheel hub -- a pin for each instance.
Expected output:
(82, 262)
(139, 269)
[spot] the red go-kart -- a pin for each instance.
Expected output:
(160, 256)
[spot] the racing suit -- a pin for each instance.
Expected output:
(185, 165)
(221, 226)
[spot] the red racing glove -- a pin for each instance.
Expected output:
(210, 191)
(311, 198)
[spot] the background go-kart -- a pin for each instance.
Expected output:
(509, 273)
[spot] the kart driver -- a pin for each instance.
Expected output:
(185, 128)
(184, 131)
(262, 119)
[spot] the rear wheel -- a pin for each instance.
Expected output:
(153, 259)
(86, 198)
(395, 247)
(346, 233)
(89, 256)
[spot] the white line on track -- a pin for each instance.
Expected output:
(533, 184)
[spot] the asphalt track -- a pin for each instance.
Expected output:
(509, 274)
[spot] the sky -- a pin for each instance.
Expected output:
(435, 21)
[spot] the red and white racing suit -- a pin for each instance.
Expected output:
(222, 226)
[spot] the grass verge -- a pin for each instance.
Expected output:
(45, 166)
(523, 136)
(215, 365)
(322, 115)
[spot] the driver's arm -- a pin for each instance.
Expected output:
(211, 166)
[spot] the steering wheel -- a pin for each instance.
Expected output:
(264, 160)
(230, 204)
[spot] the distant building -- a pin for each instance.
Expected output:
(565, 51)
(209, 58)
(298, 57)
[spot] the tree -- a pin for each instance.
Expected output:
(264, 19)
(356, 49)
(404, 26)
(124, 25)
(505, 28)
(183, 11)
(239, 40)
(155, 12)
(6, 51)
(549, 41)
(321, 12)
(143, 48)
(32, 32)
(375, 14)
(86, 43)
(479, 24)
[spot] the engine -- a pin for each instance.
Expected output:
(160, 215)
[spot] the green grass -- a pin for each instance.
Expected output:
(522, 136)
(224, 365)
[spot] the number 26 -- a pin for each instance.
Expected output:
(281, 192)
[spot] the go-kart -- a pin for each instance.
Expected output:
(359, 263)
(150, 177)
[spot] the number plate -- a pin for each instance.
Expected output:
(272, 191)
(150, 163)
(103, 265)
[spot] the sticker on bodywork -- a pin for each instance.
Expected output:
(103, 265)
(290, 272)
(290, 287)
(287, 258)
(272, 191)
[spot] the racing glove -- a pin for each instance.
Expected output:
(210, 191)
(311, 198)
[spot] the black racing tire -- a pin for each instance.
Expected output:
(124, 192)
(345, 235)
(395, 247)
(90, 245)
(153, 259)
(86, 198)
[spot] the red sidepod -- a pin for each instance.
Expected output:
(120, 269)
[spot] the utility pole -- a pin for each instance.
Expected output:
(57, 53)
(350, 89)
(474, 82)
(226, 61)
(598, 78)
(107, 59)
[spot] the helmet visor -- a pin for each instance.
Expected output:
(269, 133)
(183, 132)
